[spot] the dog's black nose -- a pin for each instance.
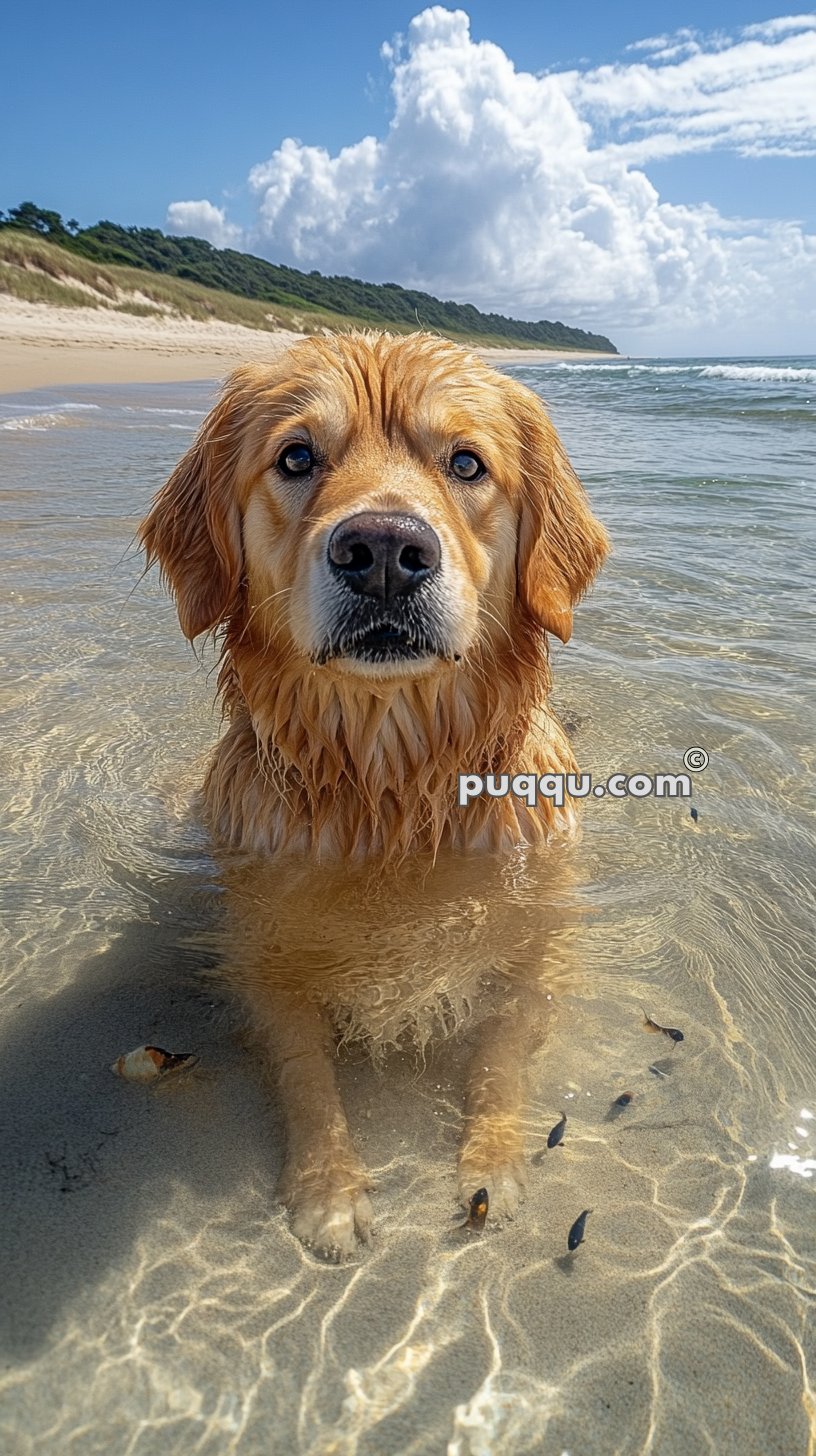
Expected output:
(384, 555)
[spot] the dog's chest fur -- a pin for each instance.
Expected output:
(403, 954)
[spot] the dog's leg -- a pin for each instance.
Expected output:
(491, 1154)
(324, 1185)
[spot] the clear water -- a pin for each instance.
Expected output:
(153, 1299)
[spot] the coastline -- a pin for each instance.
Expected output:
(44, 346)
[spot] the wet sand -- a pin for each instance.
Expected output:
(42, 346)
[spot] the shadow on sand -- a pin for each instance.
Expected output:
(86, 1159)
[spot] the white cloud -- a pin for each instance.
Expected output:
(525, 193)
(203, 220)
(767, 29)
(755, 96)
(667, 47)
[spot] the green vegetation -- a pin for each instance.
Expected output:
(190, 276)
(38, 271)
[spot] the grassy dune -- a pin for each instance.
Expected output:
(38, 271)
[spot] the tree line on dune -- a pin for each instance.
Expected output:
(242, 273)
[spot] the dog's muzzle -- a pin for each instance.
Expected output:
(387, 562)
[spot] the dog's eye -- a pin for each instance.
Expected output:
(466, 466)
(296, 460)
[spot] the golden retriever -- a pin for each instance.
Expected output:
(385, 531)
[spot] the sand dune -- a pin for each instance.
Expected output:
(42, 345)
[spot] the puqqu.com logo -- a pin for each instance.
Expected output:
(560, 787)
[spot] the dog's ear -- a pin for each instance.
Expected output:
(193, 529)
(561, 545)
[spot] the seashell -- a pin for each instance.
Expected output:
(149, 1063)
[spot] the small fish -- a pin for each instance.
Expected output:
(557, 1132)
(693, 813)
(477, 1213)
(148, 1063)
(658, 1070)
(669, 1031)
(624, 1099)
(576, 1233)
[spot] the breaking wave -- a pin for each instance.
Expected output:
(759, 373)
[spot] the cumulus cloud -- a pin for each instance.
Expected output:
(204, 220)
(525, 193)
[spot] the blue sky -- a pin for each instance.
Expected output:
(660, 217)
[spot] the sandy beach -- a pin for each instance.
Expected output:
(42, 346)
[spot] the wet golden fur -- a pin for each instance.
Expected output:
(330, 760)
(321, 760)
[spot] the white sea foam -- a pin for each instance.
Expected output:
(36, 422)
(592, 368)
(749, 373)
(155, 410)
(759, 373)
(44, 416)
(625, 367)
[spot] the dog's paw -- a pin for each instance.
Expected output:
(506, 1186)
(331, 1217)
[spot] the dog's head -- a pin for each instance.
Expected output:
(378, 505)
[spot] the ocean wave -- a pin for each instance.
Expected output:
(155, 410)
(628, 368)
(759, 373)
(47, 420)
(662, 368)
(159, 425)
(43, 411)
(591, 368)
(749, 373)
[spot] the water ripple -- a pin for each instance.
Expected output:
(155, 1300)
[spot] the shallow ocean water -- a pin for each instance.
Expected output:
(153, 1297)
